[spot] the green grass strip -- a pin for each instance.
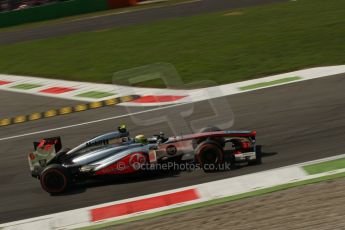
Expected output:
(270, 83)
(218, 201)
(95, 94)
(26, 86)
(325, 166)
(91, 15)
(247, 43)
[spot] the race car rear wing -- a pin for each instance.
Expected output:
(44, 151)
(48, 142)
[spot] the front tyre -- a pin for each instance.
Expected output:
(55, 179)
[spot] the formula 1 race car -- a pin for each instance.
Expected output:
(116, 153)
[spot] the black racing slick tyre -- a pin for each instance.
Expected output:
(258, 153)
(55, 179)
(209, 155)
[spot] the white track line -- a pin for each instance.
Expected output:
(91, 122)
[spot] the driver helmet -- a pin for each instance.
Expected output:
(122, 128)
(140, 139)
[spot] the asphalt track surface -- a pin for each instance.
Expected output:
(15, 104)
(131, 18)
(296, 122)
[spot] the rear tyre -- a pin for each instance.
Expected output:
(209, 155)
(258, 153)
(55, 179)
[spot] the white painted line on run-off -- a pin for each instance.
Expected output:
(90, 122)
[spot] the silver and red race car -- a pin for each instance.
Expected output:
(116, 153)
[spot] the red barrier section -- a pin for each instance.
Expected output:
(143, 205)
(4, 82)
(57, 90)
(162, 98)
(121, 3)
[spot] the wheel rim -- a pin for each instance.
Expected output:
(209, 156)
(54, 181)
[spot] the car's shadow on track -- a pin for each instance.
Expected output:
(120, 179)
(266, 153)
